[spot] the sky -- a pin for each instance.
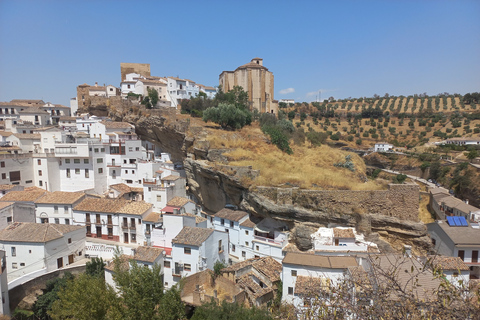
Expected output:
(315, 49)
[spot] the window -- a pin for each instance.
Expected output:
(290, 290)
(9, 219)
(95, 150)
(100, 170)
(14, 265)
(99, 160)
(40, 173)
(137, 149)
(102, 149)
(461, 254)
(475, 256)
(294, 273)
(14, 175)
(233, 248)
(87, 174)
(130, 149)
(65, 209)
(85, 161)
(77, 171)
(43, 220)
(159, 198)
(187, 267)
(166, 264)
(69, 240)
(4, 176)
(246, 243)
(76, 160)
(246, 232)
(231, 224)
(187, 250)
(39, 162)
(129, 181)
(220, 247)
(126, 171)
(14, 251)
(22, 264)
(244, 254)
(28, 181)
(57, 221)
(68, 173)
(67, 160)
(55, 209)
(67, 221)
(133, 171)
(222, 221)
(40, 183)
(2, 164)
(257, 248)
(455, 274)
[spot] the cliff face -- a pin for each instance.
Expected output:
(388, 217)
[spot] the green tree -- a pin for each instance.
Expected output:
(86, 298)
(472, 154)
(291, 115)
(151, 99)
(228, 116)
(278, 138)
(50, 294)
(141, 288)
(95, 268)
(229, 311)
(237, 96)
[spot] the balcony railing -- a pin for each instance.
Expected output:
(124, 225)
(147, 232)
(268, 240)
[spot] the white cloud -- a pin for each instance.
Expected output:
(286, 91)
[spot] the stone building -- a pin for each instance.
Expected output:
(254, 78)
(142, 69)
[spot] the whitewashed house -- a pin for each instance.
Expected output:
(112, 219)
(457, 241)
(340, 241)
(57, 207)
(143, 256)
(306, 275)
(209, 91)
(196, 249)
(453, 269)
(33, 247)
(6, 214)
(23, 203)
(383, 147)
(4, 297)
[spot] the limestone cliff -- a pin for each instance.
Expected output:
(388, 217)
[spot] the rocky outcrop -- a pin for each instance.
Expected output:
(385, 216)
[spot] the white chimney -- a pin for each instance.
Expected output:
(407, 250)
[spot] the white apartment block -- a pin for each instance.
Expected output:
(32, 247)
(57, 207)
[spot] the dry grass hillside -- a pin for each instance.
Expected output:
(308, 167)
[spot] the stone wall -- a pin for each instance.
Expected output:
(28, 288)
(400, 200)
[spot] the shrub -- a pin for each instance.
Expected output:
(278, 138)
(228, 115)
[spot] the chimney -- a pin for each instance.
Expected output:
(466, 201)
(96, 84)
(407, 250)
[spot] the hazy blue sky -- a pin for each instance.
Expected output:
(344, 48)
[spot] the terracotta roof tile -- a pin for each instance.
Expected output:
(311, 260)
(251, 287)
(178, 202)
(232, 215)
(248, 223)
(27, 196)
(4, 187)
(147, 254)
(153, 217)
(192, 236)
(35, 232)
(3, 205)
(448, 263)
(61, 197)
(35, 136)
(268, 266)
(116, 125)
(135, 207)
(100, 205)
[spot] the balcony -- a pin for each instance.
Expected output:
(132, 226)
(268, 240)
(124, 225)
(112, 164)
(147, 232)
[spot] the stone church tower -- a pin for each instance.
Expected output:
(254, 78)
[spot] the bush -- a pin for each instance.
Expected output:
(286, 126)
(278, 138)
(316, 138)
(228, 115)
(358, 142)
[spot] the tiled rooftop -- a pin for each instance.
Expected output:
(233, 215)
(448, 263)
(270, 267)
(35, 232)
(192, 236)
(178, 201)
(27, 196)
(309, 285)
(147, 254)
(311, 260)
(60, 197)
